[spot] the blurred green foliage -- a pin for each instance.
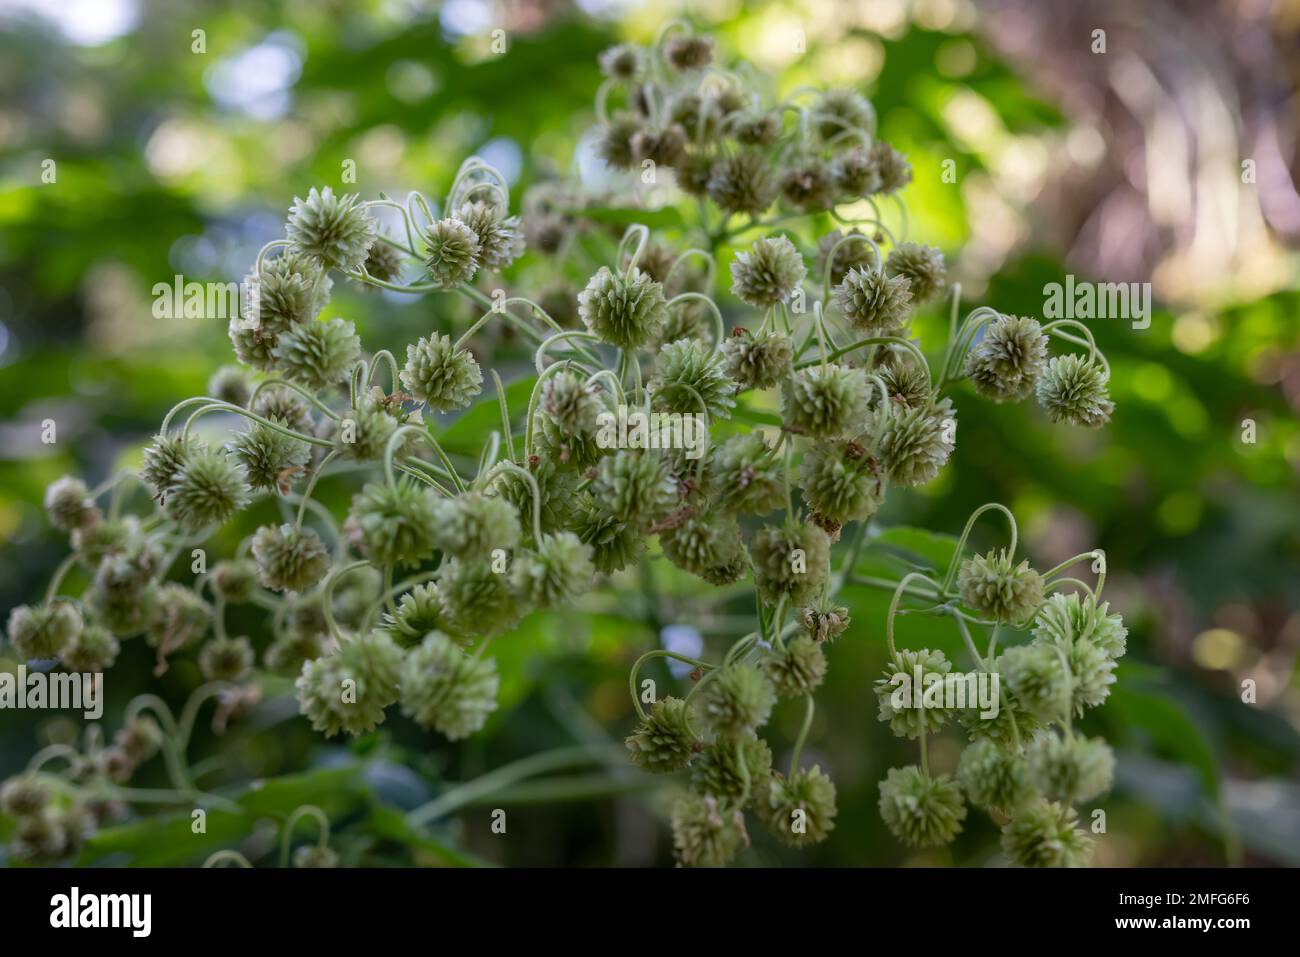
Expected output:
(156, 176)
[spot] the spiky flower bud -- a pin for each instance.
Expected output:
(1092, 672)
(289, 558)
(841, 481)
(749, 478)
(395, 524)
(418, 612)
(920, 810)
(229, 384)
(917, 442)
(1066, 619)
(900, 692)
(43, 631)
(500, 238)
(616, 543)
(335, 232)
(792, 559)
(452, 252)
(25, 795)
(1037, 676)
(665, 740)
(690, 377)
(798, 668)
(1012, 723)
(661, 145)
(569, 402)
(226, 659)
(1069, 768)
(384, 262)
(809, 186)
(164, 459)
(120, 597)
(363, 433)
(707, 545)
(1007, 362)
(68, 504)
(632, 486)
(557, 489)
(689, 52)
(179, 618)
(892, 167)
(857, 173)
(873, 302)
(843, 111)
(736, 699)
(348, 689)
(93, 650)
(996, 589)
(706, 832)
(477, 599)
(800, 810)
(1044, 834)
(623, 309)
(624, 61)
(208, 490)
(755, 128)
(994, 778)
(282, 404)
(758, 360)
(318, 354)
(922, 266)
(826, 402)
(473, 525)
(441, 375)
(906, 383)
(40, 838)
(742, 182)
(736, 771)
(271, 459)
(290, 290)
(1073, 390)
(615, 143)
(558, 571)
(235, 580)
(96, 542)
(448, 690)
(768, 273)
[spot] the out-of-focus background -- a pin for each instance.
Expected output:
(1162, 150)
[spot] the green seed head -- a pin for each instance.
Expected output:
(920, 810)
(665, 740)
(790, 560)
(768, 273)
(1045, 834)
(800, 810)
(623, 309)
(1073, 390)
(289, 558)
(332, 232)
(737, 699)
(445, 689)
(996, 589)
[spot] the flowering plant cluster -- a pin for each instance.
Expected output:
(395, 606)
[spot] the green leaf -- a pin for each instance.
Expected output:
(169, 840)
(1169, 728)
(389, 823)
